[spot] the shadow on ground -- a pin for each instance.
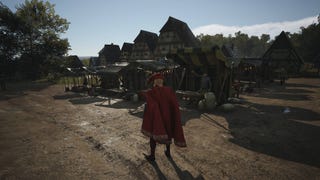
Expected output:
(137, 109)
(261, 128)
(17, 89)
(266, 129)
(284, 93)
(86, 100)
(182, 174)
(68, 95)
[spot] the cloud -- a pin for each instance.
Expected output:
(272, 28)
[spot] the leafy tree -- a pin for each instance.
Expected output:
(209, 41)
(244, 45)
(240, 41)
(308, 41)
(41, 38)
(86, 62)
(265, 41)
(10, 30)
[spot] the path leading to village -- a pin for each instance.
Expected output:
(46, 133)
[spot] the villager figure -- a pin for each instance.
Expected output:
(237, 88)
(162, 118)
(205, 83)
(283, 76)
(85, 83)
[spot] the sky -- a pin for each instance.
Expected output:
(94, 23)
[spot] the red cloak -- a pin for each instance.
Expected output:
(162, 118)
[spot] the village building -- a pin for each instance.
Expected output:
(281, 56)
(248, 69)
(194, 63)
(109, 54)
(126, 51)
(73, 61)
(174, 34)
(144, 46)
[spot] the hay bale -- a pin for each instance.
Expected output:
(227, 107)
(209, 96)
(202, 104)
(135, 97)
(210, 100)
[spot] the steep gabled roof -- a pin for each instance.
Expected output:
(111, 52)
(110, 49)
(127, 47)
(147, 37)
(199, 57)
(251, 61)
(282, 49)
(182, 29)
(73, 61)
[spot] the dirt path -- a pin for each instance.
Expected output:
(46, 133)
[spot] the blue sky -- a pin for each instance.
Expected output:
(98, 22)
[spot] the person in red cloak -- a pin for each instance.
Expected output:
(162, 118)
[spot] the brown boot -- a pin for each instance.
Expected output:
(150, 158)
(153, 145)
(167, 151)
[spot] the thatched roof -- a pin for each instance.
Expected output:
(183, 31)
(251, 61)
(73, 62)
(199, 57)
(282, 50)
(79, 71)
(151, 65)
(147, 37)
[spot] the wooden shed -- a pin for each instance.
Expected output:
(110, 75)
(74, 73)
(248, 69)
(135, 75)
(212, 61)
(280, 55)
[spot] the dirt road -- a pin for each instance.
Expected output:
(46, 133)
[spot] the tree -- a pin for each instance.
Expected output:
(310, 41)
(41, 37)
(208, 41)
(244, 45)
(11, 29)
(240, 42)
(307, 41)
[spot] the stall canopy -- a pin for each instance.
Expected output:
(211, 61)
(135, 75)
(76, 71)
(152, 65)
(199, 57)
(111, 69)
